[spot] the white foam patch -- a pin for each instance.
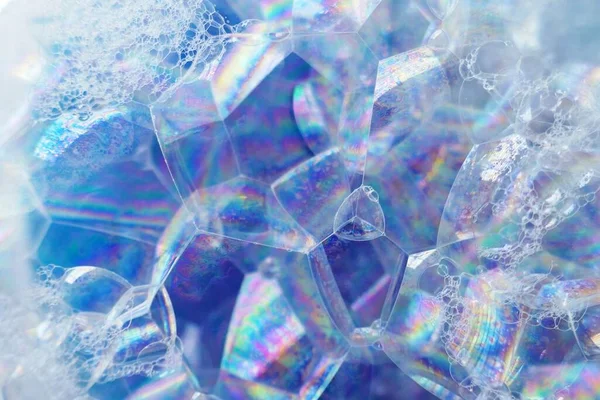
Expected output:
(100, 60)
(51, 348)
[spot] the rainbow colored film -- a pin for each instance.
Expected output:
(299, 199)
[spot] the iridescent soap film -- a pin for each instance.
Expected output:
(299, 199)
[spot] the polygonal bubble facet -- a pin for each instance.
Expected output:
(353, 131)
(474, 24)
(396, 26)
(245, 63)
(410, 135)
(352, 381)
(192, 135)
(304, 295)
(317, 109)
(342, 59)
(209, 266)
(271, 356)
(203, 337)
(195, 142)
(588, 332)
(413, 326)
(103, 192)
(148, 345)
(493, 165)
(239, 215)
(490, 74)
(313, 191)
(71, 246)
(410, 87)
(175, 239)
(202, 150)
(549, 192)
(338, 120)
(348, 65)
(309, 177)
(354, 278)
(245, 209)
(92, 289)
(495, 323)
(360, 216)
(441, 8)
(327, 16)
(265, 138)
(67, 138)
(88, 201)
(357, 379)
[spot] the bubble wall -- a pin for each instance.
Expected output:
(299, 199)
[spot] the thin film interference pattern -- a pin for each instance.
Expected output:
(299, 199)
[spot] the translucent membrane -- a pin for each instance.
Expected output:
(299, 199)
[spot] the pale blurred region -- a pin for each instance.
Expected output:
(20, 64)
(4, 3)
(20, 67)
(14, 268)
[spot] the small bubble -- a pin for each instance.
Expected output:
(371, 194)
(378, 346)
(442, 270)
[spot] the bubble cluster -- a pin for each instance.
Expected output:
(315, 199)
